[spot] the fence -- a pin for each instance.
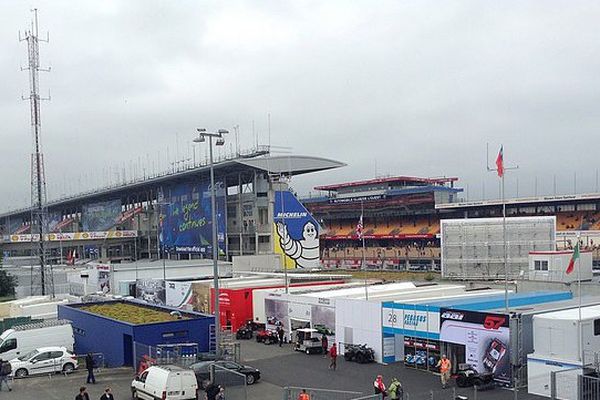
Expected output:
(563, 384)
(233, 382)
(180, 354)
(589, 387)
(292, 393)
(570, 384)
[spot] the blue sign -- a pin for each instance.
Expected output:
(186, 219)
(296, 232)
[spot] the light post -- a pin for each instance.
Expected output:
(219, 141)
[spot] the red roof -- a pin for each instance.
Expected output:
(408, 179)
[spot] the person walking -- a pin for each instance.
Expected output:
(395, 390)
(280, 334)
(324, 345)
(212, 391)
(379, 386)
(107, 394)
(333, 357)
(445, 366)
(303, 395)
(83, 394)
(5, 371)
(89, 365)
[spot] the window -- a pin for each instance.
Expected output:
(56, 354)
(143, 376)
(596, 327)
(540, 265)
(7, 345)
(42, 357)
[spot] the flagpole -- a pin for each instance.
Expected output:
(364, 264)
(505, 249)
(581, 355)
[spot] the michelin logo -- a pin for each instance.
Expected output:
(305, 252)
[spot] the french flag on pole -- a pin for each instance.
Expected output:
(500, 162)
(359, 227)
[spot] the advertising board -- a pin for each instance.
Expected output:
(100, 216)
(296, 232)
(485, 337)
(151, 291)
(179, 294)
(186, 220)
(69, 236)
(417, 321)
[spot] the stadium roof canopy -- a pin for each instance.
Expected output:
(272, 165)
(395, 179)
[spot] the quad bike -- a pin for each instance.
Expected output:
(245, 332)
(267, 336)
(359, 353)
(468, 377)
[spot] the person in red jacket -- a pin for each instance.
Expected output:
(333, 356)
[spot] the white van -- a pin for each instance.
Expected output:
(22, 339)
(166, 382)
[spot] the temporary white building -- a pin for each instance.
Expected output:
(563, 342)
(552, 266)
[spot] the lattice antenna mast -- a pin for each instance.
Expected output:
(38, 177)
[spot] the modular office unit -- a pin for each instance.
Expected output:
(115, 339)
(474, 248)
(563, 342)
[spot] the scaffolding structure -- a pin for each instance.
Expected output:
(474, 248)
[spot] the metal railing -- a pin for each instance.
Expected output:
(233, 383)
(292, 393)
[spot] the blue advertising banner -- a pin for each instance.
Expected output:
(100, 216)
(186, 220)
(296, 232)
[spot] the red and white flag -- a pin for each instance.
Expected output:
(359, 227)
(500, 162)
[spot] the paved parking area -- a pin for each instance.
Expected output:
(279, 367)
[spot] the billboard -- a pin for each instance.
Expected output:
(151, 291)
(100, 216)
(296, 232)
(186, 220)
(485, 337)
(179, 294)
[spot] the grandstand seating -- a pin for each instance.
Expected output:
(577, 220)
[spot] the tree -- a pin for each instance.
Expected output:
(7, 284)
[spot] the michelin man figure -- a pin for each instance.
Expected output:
(305, 251)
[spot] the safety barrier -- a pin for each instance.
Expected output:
(232, 382)
(293, 393)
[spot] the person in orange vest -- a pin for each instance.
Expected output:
(303, 395)
(445, 366)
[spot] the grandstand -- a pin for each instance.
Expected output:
(401, 224)
(402, 220)
(137, 219)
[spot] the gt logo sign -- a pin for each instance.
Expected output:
(492, 322)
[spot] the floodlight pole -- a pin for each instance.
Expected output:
(202, 135)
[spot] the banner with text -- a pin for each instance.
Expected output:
(296, 232)
(186, 220)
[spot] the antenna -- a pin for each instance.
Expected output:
(269, 128)
(38, 177)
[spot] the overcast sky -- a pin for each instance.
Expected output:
(389, 87)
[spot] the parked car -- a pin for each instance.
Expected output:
(202, 371)
(44, 360)
(20, 340)
(167, 382)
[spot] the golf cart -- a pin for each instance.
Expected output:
(308, 341)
